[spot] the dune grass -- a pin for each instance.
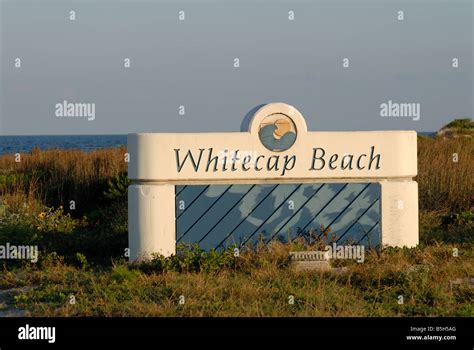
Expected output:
(445, 168)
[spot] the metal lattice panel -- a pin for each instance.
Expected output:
(220, 215)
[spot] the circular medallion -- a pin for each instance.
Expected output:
(277, 132)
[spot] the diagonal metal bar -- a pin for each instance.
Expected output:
(325, 206)
(181, 190)
(356, 220)
(347, 206)
(228, 211)
(367, 233)
(205, 212)
(250, 213)
(263, 223)
(296, 212)
(195, 199)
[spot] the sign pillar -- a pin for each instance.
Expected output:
(399, 213)
(151, 218)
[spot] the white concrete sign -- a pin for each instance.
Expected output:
(277, 148)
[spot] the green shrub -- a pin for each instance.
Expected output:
(191, 258)
(462, 123)
(54, 220)
(121, 273)
(54, 231)
(82, 260)
(463, 218)
(118, 187)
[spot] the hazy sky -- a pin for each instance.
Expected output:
(191, 63)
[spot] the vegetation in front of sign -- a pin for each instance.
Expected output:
(72, 204)
(425, 281)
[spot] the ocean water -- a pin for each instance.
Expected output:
(22, 144)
